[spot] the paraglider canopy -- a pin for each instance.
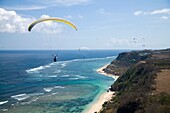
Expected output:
(51, 19)
(54, 20)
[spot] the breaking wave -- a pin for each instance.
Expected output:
(3, 102)
(49, 89)
(20, 97)
(33, 70)
(62, 64)
(25, 96)
(73, 78)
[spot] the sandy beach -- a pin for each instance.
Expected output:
(96, 107)
(100, 71)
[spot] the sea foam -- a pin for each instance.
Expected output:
(3, 102)
(20, 97)
(62, 63)
(52, 76)
(65, 75)
(49, 89)
(38, 68)
(29, 102)
(73, 78)
(81, 77)
(59, 87)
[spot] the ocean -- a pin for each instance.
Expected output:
(30, 82)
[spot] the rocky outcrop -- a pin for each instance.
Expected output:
(125, 60)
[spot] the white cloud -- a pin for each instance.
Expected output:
(138, 13)
(161, 11)
(68, 2)
(12, 22)
(103, 12)
(164, 17)
(44, 16)
(25, 8)
(76, 16)
(154, 12)
(48, 26)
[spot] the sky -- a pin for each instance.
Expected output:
(101, 24)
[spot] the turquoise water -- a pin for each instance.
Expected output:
(66, 86)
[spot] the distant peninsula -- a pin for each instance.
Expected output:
(143, 85)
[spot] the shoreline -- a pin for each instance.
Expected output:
(107, 96)
(100, 71)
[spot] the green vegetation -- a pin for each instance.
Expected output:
(135, 87)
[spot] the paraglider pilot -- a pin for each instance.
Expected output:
(55, 58)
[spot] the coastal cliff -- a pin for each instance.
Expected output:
(125, 60)
(143, 85)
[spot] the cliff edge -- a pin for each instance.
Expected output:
(143, 85)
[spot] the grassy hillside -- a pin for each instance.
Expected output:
(136, 86)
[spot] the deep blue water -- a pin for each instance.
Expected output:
(31, 82)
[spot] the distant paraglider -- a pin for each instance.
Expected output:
(143, 45)
(133, 42)
(138, 42)
(55, 57)
(51, 19)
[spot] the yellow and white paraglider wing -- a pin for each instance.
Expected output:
(51, 19)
